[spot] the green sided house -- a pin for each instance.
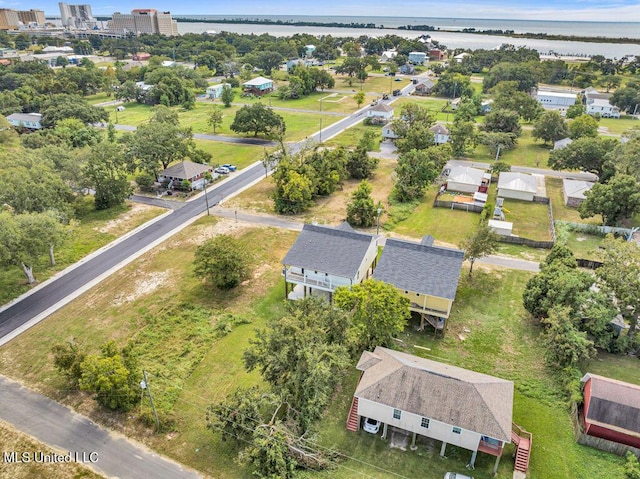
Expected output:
(426, 274)
(427, 398)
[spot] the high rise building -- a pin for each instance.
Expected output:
(31, 16)
(77, 16)
(8, 19)
(141, 21)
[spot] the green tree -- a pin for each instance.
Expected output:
(576, 110)
(67, 358)
(62, 61)
(584, 125)
(463, 137)
(215, 119)
(565, 345)
(303, 356)
(620, 275)
(416, 169)
(586, 154)
(502, 121)
(76, 134)
(257, 118)
(222, 262)
(329, 169)
(156, 145)
(112, 376)
(106, 171)
(361, 210)
(615, 201)
(378, 313)
(360, 165)
(227, 96)
(481, 243)
(550, 127)
(359, 98)
(507, 97)
(453, 84)
(495, 140)
(62, 106)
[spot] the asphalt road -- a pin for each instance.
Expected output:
(58, 292)
(103, 451)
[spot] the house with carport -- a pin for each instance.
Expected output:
(425, 274)
(194, 173)
(324, 258)
(574, 191)
(516, 186)
(434, 400)
(611, 410)
(465, 179)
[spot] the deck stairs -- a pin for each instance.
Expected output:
(353, 421)
(522, 440)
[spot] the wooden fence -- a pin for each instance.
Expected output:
(526, 242)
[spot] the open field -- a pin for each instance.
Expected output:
(236, 154)
(95, 229)
(528, 152)
(98, 98)
(351, 136)
(560, 211)
(373, 85)
(618, 126)
(530, 220)
(14, 440)
(331, 102)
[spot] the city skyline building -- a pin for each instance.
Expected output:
(139, 21)
(77, 16)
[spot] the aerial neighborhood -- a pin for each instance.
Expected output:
(306, 256)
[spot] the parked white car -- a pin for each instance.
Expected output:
(455, 475)
(371, 425)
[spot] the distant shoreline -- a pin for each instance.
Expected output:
(413, 28)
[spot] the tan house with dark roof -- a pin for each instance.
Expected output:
(435, 400)
(186, 170)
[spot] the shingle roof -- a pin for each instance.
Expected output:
(517, 182)
(473, 401)
(420, 267)
(185, 170)
(576, 188)
(466, 175)
(614, 403)
(560, 144)
(338, 251)
(439, 129)
(382, 107)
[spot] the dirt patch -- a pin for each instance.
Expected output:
(123, 220)
(224, 226)
(145, 286)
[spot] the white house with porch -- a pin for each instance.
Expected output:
(324, 258)
(427, 398)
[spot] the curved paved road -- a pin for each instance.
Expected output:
(103, 451)
(56, 292)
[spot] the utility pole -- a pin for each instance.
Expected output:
(206, 199)
(320, 121)
(145, 386)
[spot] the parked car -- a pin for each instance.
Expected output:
(222, 170)
(397, 93)
(371, 425)
(385, 96)
(230, 167)
(455, 475)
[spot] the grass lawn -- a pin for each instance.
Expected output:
(527, 153)
(331, 102)
(236, 154)
(95, 229)
(133, 114)
(372, 85)
(618, 126)
(560, 211)
(98, 98)
(350, 137)
(530, 220)
(14, 440)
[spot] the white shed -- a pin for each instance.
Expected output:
(502, 228)
(517, 186)
(465, 179)
(574, 191)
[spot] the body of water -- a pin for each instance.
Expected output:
(450, 39)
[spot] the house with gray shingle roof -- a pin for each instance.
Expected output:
(324, 258)
(427, 398)
(425, 274)
(440, 134)
(517, 186)
(186, 170)
(611, 410)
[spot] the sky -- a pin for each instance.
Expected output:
(567, 10)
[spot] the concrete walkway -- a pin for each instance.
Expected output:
(106, 452)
